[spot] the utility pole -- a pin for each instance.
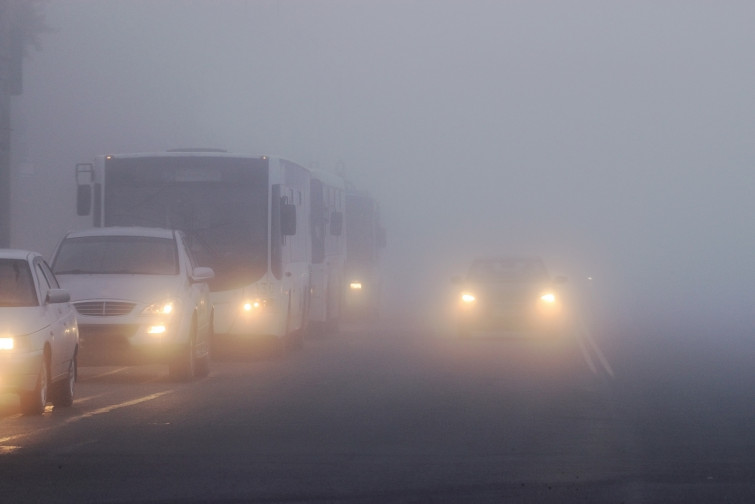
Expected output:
(20, 23)
(11, 57)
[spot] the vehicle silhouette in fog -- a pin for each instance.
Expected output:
(510, 295)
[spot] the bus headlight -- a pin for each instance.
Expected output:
(254, 305)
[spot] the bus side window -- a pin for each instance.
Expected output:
(288, 217)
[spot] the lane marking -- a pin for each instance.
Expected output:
(586, 354)
(88, 414)
(600, 355)
(584, 335)
(104, 373)
(113, 407)
(84, 399)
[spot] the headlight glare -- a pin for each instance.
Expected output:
(548, 297)
(252, 305)
(162, 308)
(468, 297)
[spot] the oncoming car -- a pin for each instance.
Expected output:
(140, 298)
(38, 333)
(511, 294)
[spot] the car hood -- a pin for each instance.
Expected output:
(138, 288)
(21, 320)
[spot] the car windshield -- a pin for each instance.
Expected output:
(16, 284)
(507, 270)
(116, 255)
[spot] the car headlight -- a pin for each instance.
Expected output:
(167, 307)
(468, 298)
(7, 343)
(21, 343)
(355, 285)
(548, 297)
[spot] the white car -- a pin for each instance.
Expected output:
(140, 298)
(38, 333)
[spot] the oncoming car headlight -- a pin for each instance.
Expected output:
(548, 297)
(7, 343)
(167, 307)
(468, 298)
(355, 285)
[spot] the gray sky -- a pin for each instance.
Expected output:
(614, 138)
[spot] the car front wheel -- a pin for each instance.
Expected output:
(34, 402)
(183, 367)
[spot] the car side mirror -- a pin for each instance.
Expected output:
(57, 296)
(202, 274)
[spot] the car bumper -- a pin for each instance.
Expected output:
(125, 344)
(19, 371)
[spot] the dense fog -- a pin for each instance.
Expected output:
(612, 138)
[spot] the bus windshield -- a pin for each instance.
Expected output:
(220, 202)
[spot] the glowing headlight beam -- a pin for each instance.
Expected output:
(164, 308)
(548, 298)
(355, 286)
(6, 344)
(252, 305)
(468, 298)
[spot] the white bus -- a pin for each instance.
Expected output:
(247, 217)
(328, 251)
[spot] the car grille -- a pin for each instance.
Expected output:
(104, 308)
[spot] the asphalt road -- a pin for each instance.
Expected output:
(404, 414)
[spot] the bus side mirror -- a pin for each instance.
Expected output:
(336, 223)
(288, 219)
(83, 200)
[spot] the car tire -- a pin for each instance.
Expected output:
(34, 402)
(64, 390)
(184, 365)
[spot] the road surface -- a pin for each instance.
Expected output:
(400, 413)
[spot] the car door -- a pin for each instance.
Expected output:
(63, 331)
